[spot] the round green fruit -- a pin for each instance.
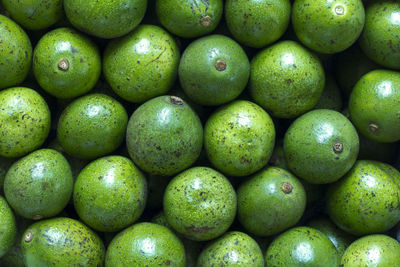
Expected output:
(164, 136)
(286, 79)
(146, 244)
(232, 249)
(61, 242)
(257, 23)
(372, 250)
(321, 146)
(24, 121)
(200, 203)
(8, 227)
(214, 70)
(189, 18)
(105, 19)
(270, 202)
(92, 126)
(374, 105)
(366, 200)
(239, 138)
(66, 63)
(35, 14)
(328, 26)
(110, 194)
(15, 53)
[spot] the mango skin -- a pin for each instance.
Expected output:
(302, 246)
(200, 203)
(286, 79)
(145, 244)
(92, 126)
(62, 242)
(239, 138)
(35, 14)
(24, 121)
(374, 101)
(372, 250)
(8, 227)
(39, 185)
(153, 55)
(105, 19)
(380, 39)
(232, 249)
(15, 53)
(110, 193)
(365, 201)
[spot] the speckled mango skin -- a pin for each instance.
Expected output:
(39, 185)
(15, 53)
(199, 76)
(232, 249)
(145, 244)
(24, 121)
(302, 246)
(35, 14)
(380, 39)
(239, 138)
(264, 207)
(375, 100)
(62, 242)
(309, 146)
(105, 19)
(200, 203)
(110, 194)
(83, 59)
(184, 17)
(8, 227)
(337, 236)
(372, 250)
(164, 138)
(366, 200)
(92, 126)
(331, 97)
(328, 26)
(286, 79)
(257, 23)
(143, 64)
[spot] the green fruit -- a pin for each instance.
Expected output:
(286, 79)
(239, 138)
(8, 227)
(164, 136)
(35, 14)
(214, 70)
(321, 146)
(380, 39)
(200, 203)
(61, 242)
(331, 97)
(24, 121)
(15, 53)
(5, 164)
(372, 250)
(145, 244)
(232, 249)
(257, 23)
(92, 126)
(39, 185)
(270, 202)
(66, 63)
(105, 19)
(302, 246)
(374, 105)
(189, 18)
(366, 200)
(143, 64)
(328, 26)
(337, 236)
(110, 194)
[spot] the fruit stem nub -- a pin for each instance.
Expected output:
(176, 100)
(205, 21)
(286, 187)
(373, 127)
(338, 147)
(63, 64)
(220, 65)
(28, 236)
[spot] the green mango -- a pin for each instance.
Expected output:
(8, 227)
